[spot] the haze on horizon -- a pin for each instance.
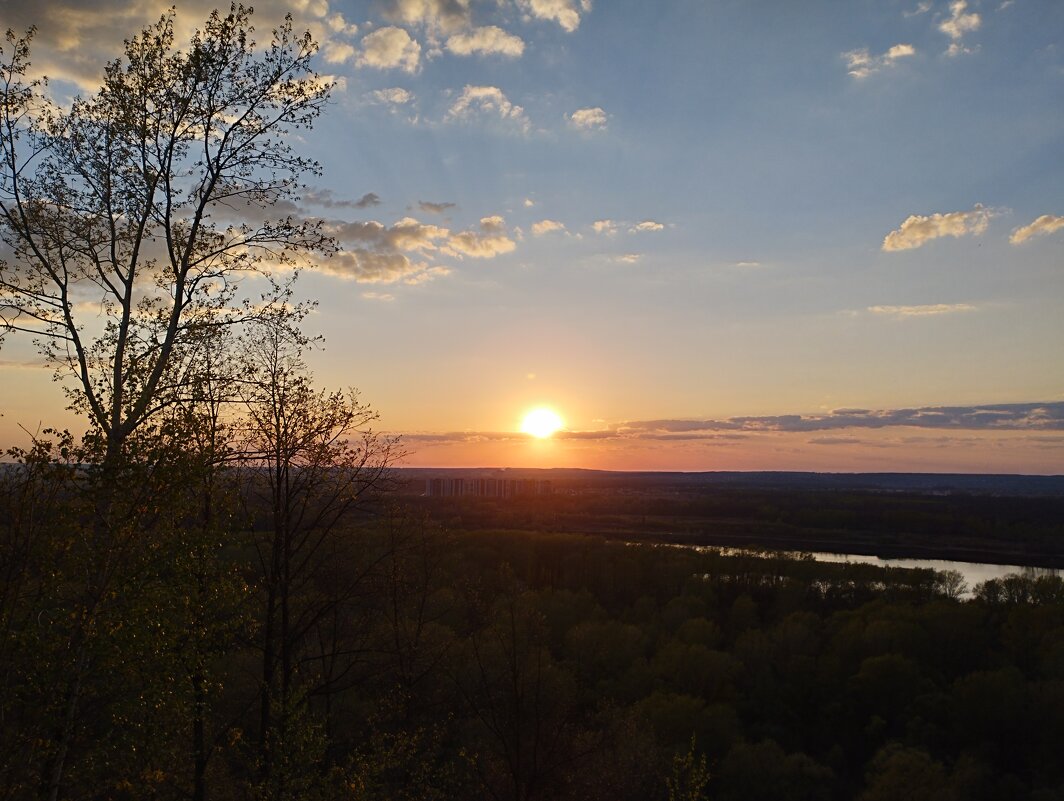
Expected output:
(708, 235)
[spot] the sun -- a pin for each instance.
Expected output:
(541, 423)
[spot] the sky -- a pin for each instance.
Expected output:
(709, 234)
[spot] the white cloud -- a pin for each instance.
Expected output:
(491, 240)
(337, 52)
(489, 40)
(529, 203)
(476, 100)
(546, 226)
(918, 230)
(921, 8)
(390, 48)
(629, 258)
(337, 24)
(927, 310)
(608, 227)
(588, 119)
(384, 297)
(860, 63)
(960, 22)
(646, 225)
(565, 12)
(394, 96)
(1046, 224)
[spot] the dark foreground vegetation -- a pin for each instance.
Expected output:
(392, 658)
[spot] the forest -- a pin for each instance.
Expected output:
(217, 592)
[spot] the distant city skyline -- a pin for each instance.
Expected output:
(708, 235)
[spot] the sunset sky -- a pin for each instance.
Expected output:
(709, 234)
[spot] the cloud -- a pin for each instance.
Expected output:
(588, 119)
(489, 100)
(442, 14)
(646, 225)
(928, 310)
(1046, 224)
(528, 203)
(395, 96)
(408, 250)
(371, 266)
(860, 63)
(608, 227)
(629, 258)
(921, 8)
(489, 40)
(434, 208)
(75, 38)
(918, 230)
(390, 48)
(384, 297)
(490, 241)
(999, 417)
(546, 226)
(326, 199)
(746, 264)
(1043, 418)
(960, 22)
(337, 24)
(565, 12)
(338, 52)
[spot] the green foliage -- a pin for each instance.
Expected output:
(690, 776)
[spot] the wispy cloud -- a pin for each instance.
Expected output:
(487, 101)
(646, 225)
(485, 41)
(860, 63)
(608, 227)
(1032, 417)
(997, 417)
(960, 22)
(546, 227)
(918, 230)
(445, 15)
(393, 96)
(565, 12)
(1046, 224)
(409, 251)
(589, 119)
(434, 208)
(926, 310)
(390, 48)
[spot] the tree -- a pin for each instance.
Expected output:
(143, 204)
(313, 459)
(128, 221)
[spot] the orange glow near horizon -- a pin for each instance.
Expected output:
(541, 423)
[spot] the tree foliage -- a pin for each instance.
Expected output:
(131, 216)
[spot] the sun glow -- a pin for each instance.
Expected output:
(541, 423)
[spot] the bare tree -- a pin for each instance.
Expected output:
(126, 215)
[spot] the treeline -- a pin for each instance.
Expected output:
(964, 527)
(201, 646)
